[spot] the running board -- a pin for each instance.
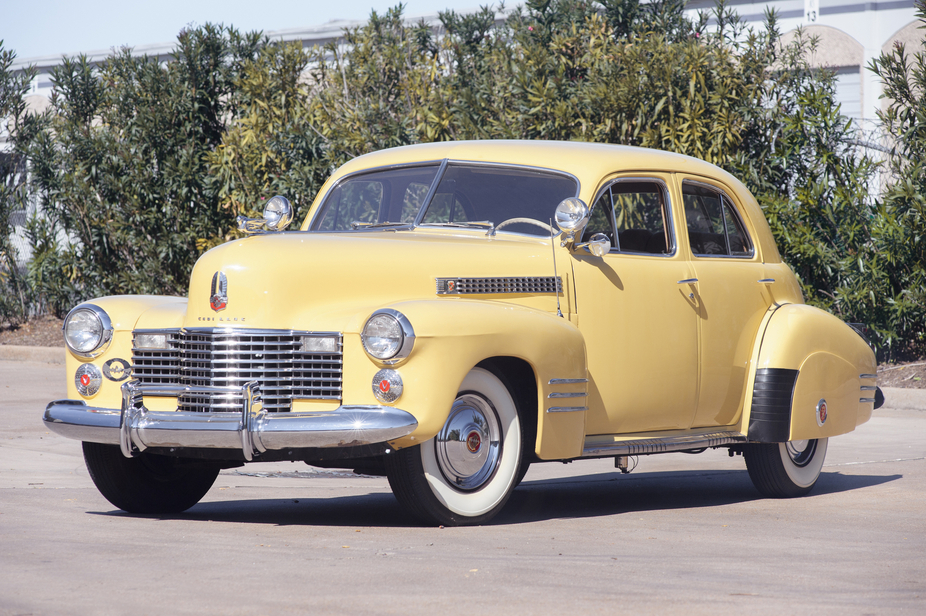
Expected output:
(605, 446)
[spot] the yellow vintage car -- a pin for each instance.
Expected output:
(450, 313)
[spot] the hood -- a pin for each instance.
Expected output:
(333, 281)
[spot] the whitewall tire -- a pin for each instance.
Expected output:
(467, 472)
(785, 470)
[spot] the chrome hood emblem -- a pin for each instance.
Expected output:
(219, 298)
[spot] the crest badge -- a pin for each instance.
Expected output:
(219, 299)
(821, 413)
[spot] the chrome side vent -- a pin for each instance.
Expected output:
(531, 285)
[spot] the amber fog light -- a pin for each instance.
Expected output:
(88, 379)
(387, 386)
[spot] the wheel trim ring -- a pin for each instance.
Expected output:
(472, 418)
(801, 456)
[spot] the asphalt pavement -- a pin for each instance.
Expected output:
(682, 534)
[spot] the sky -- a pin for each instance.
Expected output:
(35, 28)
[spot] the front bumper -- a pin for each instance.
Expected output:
(251, 431)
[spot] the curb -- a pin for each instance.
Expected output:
(896, 398)
(46, 355)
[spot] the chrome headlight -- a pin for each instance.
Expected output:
(388, 336)
(87, 330)
(571, 214)
(278, 213)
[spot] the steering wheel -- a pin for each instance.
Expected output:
(529, 221)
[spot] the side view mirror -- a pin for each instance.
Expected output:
(571, 217)
(598, 245)
(278, 213)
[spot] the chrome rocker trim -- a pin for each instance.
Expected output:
(643, 446)
(251, 431)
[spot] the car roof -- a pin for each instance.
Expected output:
(581, 159)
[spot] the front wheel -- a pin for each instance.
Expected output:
(147, 483)
(785, 470)
(466, 473)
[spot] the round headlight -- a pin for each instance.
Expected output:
(571, 214)
(388, 336)
(87, 330)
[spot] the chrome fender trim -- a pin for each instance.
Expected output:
(251, 431)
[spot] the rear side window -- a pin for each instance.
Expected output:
(638, 211)
(714, 226)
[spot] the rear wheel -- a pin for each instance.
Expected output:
(466, 473)
(785, 470)
(147, 483)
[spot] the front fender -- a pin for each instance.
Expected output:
(127, 312)
(454, 335)
(808, 361)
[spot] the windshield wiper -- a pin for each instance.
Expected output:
(377, 225)
(464, 224)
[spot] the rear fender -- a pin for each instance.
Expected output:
(810, 372)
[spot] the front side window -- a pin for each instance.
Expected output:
(714, 226)
(520, 200)
(638, 211)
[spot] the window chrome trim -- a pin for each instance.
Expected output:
(752, 245)
(670, 218)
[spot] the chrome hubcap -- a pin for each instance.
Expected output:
(469, 445)
(801, 452)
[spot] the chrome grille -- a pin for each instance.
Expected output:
(519, 284)
(232, 357)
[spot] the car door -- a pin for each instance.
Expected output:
(732, 294)
(636, 309)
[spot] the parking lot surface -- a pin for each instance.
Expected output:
(681, 534)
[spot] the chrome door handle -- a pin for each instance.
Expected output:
(688, 281)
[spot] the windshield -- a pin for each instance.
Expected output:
(467, 195)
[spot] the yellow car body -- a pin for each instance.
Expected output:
(623, 353)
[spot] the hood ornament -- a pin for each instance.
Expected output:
(219, 299)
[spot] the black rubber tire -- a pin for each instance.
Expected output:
(421, 486)
(147, 483)
(778, 470)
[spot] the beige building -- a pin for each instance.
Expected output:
(851, 33)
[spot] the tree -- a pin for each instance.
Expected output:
(898, 257)
(273, 147)
(122, 167)
(15, 295)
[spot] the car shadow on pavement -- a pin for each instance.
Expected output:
(533, 501)
(614, 494)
